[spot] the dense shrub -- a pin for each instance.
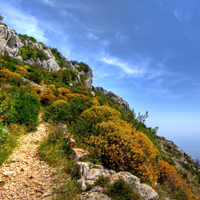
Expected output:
(67, 113)
(41, 54)
(83, 67)
(26, 37)
(120, 190)
(7, 75)
(81, 89)
(28, 52)
(46, 96)
(22, 108)
(170, 177)
(21, 70)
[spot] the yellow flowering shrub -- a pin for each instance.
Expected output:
(58, 102)
(122, 147)
(173, 180)
(7, 75)
(46, 95)
(98, 114)
(95, 101)
(36, 92)
(52, 87)
(64, 91)
(21, 69)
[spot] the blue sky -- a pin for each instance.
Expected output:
(146, 51)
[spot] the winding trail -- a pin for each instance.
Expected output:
(24, 174)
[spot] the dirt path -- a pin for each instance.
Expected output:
(24, 174)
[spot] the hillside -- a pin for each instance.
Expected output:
(90, 130)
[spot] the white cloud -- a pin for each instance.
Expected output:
(91, 36)
(127, 68)
(23, 23)
(181, 16)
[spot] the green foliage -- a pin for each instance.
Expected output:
(26, 37)
(53, 148)
(9, 63)
(35, 74)
(120, 190)
(20, 108)
(1, 18)
(15, 131)
(41, 54)
(80, 89)
(83, 67)
(180, 195)
(3, 134)
(28, 52)
(67, 113)
(102, 181)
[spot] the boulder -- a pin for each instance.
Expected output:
(31, 43)
(72, 142)
(147, 192)
(83, 168)
(19, 58)
(78, 153)
(52, 65)
(29, 62)
(44, 64)
(93, 94)
(97, 196)
(38, 62)
(38, 45)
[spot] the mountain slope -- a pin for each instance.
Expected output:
(34, 76)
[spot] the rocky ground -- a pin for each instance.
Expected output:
(24, 175)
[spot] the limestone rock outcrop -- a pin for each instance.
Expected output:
(114, 97)
(88, 173)
(9, 42)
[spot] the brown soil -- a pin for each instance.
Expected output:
(24, 176)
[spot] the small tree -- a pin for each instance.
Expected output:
(1, 18)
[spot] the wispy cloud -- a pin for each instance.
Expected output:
(182, 16)
(23, 23)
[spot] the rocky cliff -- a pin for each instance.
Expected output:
(11, 44)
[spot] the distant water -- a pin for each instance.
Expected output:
(189, 143)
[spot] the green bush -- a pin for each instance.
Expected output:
(28, 52)
(120, 190)
(83, 67)
(3, 135)
(21, 108)
(67, 113)
(41, 54)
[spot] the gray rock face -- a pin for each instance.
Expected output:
(114, 97)
(147, 192)
(38, 45)
(20, 59)
(38, 62)
(89, 79)
(88, 173)
(31, 43)
(52, 65)
(44, 64)
(29, 62)
(9, 42)
(79, 153)
(49, 54)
